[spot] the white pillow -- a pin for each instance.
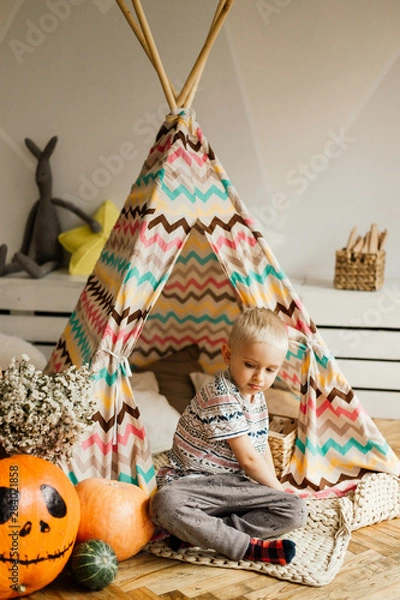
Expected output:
(12, 346)
(200, 379)
(144, 381)
(159, 419)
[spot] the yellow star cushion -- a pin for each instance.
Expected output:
(84, 245)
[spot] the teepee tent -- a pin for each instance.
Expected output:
(183, 259)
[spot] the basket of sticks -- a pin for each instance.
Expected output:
(361, 264)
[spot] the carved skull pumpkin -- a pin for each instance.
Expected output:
(39, 518)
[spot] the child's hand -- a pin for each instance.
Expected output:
(255, 465)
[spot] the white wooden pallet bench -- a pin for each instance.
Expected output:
(37, 310)
(362, 329)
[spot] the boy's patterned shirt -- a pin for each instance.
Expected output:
(217, 413)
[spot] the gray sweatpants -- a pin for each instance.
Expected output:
(223, 512)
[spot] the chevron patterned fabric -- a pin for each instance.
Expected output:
(181, 262)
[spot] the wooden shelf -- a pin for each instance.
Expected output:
(362, 329)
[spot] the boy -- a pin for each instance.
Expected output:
(220, 489)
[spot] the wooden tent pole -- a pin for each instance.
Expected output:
(218, 11)
(204, 53)
(154, 54)
(139, 34)
(135, 27)
(188, 100)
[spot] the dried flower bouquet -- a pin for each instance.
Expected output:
(44, 415)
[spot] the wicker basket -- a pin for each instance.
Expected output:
(359, 271)
(282, 438)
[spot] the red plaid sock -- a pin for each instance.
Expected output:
(277, 552)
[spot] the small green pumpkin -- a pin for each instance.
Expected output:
(94, 564)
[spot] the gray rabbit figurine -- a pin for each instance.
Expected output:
(41, 251)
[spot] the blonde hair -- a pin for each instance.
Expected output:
(258, 325)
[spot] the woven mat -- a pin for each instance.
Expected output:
(321, 546)
(376, 499)
(321, 543)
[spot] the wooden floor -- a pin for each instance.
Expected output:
(371, 571)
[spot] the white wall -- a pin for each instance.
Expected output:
(284, 79)
(315, 71)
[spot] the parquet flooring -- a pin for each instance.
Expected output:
(371, 571)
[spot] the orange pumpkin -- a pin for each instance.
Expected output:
(39, 518)
(115, 512)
